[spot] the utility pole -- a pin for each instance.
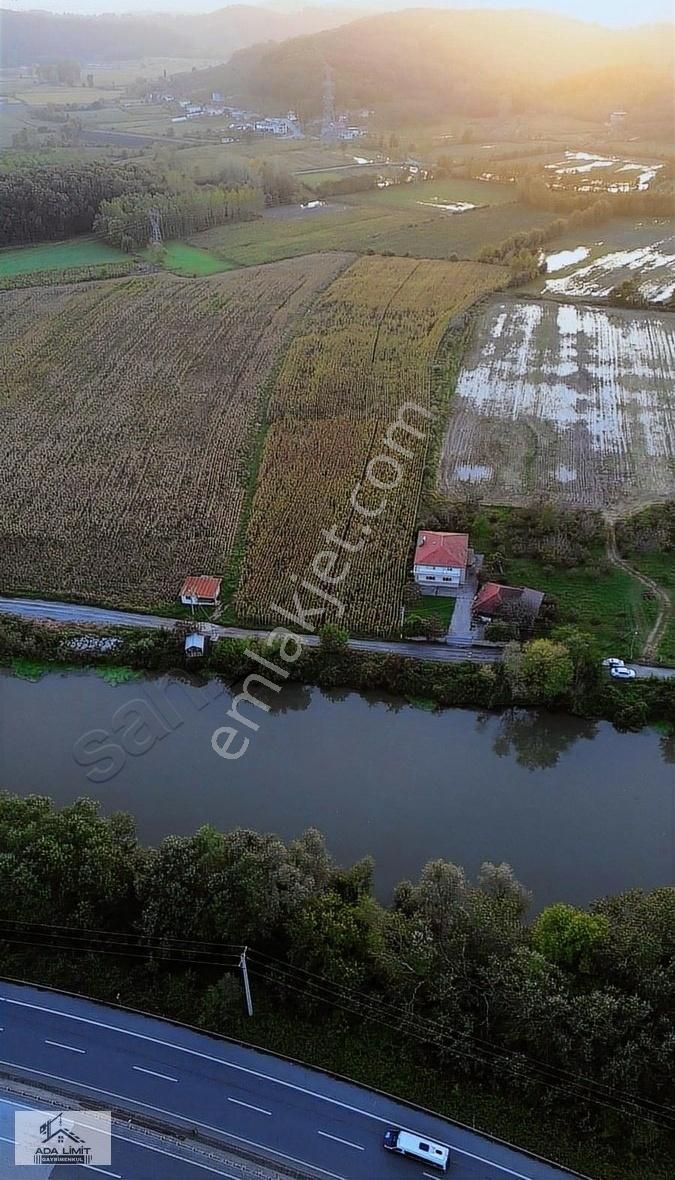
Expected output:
(329, 122)
(247, 986)
(155, 227)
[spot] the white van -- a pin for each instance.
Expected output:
(416, 1147)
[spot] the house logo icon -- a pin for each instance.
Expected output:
(59, 1143)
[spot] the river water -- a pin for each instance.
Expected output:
(576, 808)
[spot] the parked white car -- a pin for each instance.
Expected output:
(622, 672)
(612, 662)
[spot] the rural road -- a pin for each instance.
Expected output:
(300, 1119)
(69, 612)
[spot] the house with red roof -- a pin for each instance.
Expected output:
(441, 561)
(494, 601)
(201, 590)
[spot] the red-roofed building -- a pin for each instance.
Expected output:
(496, 601)
(200, 591)
(441, 561)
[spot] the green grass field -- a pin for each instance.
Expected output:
(418, 196)
(183, 259)
(660, 567)
(611, 606)
(57, 256)
(360, 228)
(428, 607)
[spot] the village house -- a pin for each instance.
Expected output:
(441, 561)
(494, 601)
(200, 591)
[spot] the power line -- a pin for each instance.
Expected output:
(309, 985)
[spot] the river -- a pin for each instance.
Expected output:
(578, 809)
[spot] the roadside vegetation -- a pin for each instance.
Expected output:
(578, 1030)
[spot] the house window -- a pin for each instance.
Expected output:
(448, 579)
(430, 577)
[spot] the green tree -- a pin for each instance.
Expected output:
(538, 673)
(568, 936)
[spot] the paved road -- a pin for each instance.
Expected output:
(70, 612)
(283, 1111)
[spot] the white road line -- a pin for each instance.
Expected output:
(174, 1114)
(337, 1140)
(248, 1105)
(242, 1069)
(71, 1048)
(135, 1143)
(173, 1156)
(165, 1077)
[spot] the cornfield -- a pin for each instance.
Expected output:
(364, 350)
(129, 410)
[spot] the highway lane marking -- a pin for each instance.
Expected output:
(242, 1069)
(172, 1154)
(71, 1048)
(248, 1104)
(165, 1077)
(174, 1114)
(346, 1142)
(135, 1143)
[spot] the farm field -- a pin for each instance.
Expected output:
(129, 412)
(57, 256)
(599, 261)
(364, 350)
(369, 227)
(40, 96)
(426, 194)
(569, 402)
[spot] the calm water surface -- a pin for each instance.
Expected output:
(576, 808)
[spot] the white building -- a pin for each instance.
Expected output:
(441, 561)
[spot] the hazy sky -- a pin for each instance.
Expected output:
(606, 12)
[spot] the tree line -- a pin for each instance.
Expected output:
(46, 202)
(126, 222)
(571, 1009)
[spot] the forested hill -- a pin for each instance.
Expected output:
(426, 61)
(31, 37)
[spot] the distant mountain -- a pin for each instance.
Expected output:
(427, 61)
(27, 38)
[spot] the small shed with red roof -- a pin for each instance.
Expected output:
(441, 561)
(201, 590)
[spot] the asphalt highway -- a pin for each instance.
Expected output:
(285, 1112)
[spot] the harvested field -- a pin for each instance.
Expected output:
(576, 403)
(363, 351)
(128, 414)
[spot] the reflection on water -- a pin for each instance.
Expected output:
(537, 740)
(576, 808)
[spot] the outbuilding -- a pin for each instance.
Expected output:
(200, 590)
